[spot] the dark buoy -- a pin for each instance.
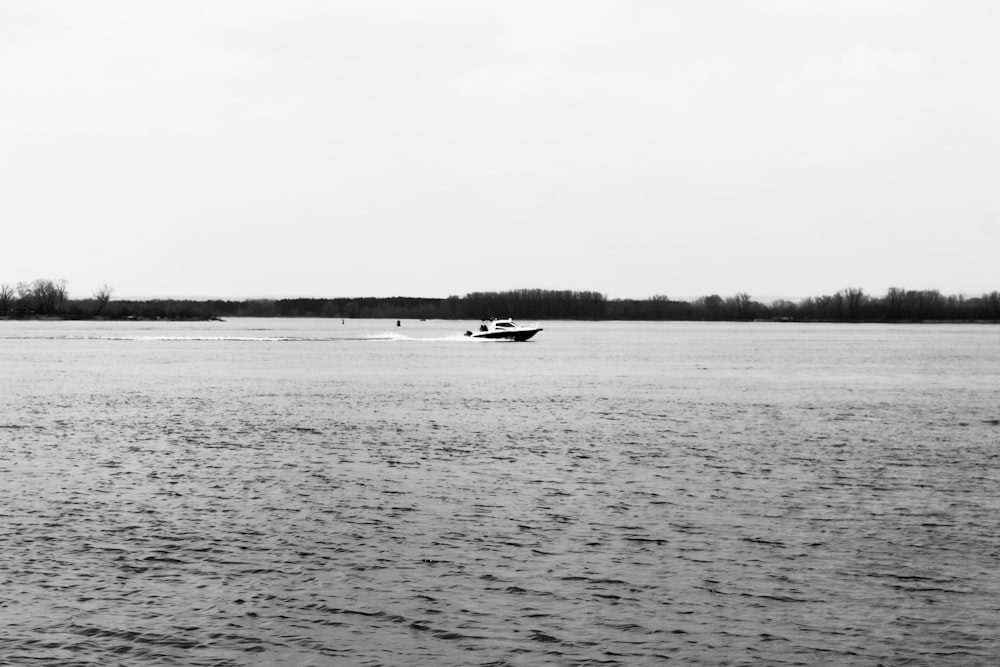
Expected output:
(397, 323)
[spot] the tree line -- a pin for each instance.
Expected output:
(49, 298)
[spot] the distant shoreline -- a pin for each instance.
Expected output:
(850, 305)
(776, 320)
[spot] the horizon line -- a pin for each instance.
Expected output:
(767, 298)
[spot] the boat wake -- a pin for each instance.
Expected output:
(390, 337)
(386, 336)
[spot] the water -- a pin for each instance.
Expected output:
(307, 492)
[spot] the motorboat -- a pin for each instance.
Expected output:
(503, 329)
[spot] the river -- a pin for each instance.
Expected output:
(327, 492)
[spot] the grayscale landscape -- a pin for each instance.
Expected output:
(452, 333)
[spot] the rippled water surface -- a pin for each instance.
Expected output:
(311, 492)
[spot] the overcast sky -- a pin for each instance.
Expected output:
(235, 148)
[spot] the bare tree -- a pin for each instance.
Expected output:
(102, 296)
(45, 297)
(895, 298)
(854, 298)
(743, 305)
(6, 297)
(991, 302)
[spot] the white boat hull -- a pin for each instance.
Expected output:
(495, 329)
(518, 334)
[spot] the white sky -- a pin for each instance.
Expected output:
(235, 148)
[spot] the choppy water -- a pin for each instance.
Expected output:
(278, 492)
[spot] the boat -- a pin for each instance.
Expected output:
(503, 329)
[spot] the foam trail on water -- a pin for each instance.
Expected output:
(391, 336)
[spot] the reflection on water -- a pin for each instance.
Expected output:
(305, 492)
